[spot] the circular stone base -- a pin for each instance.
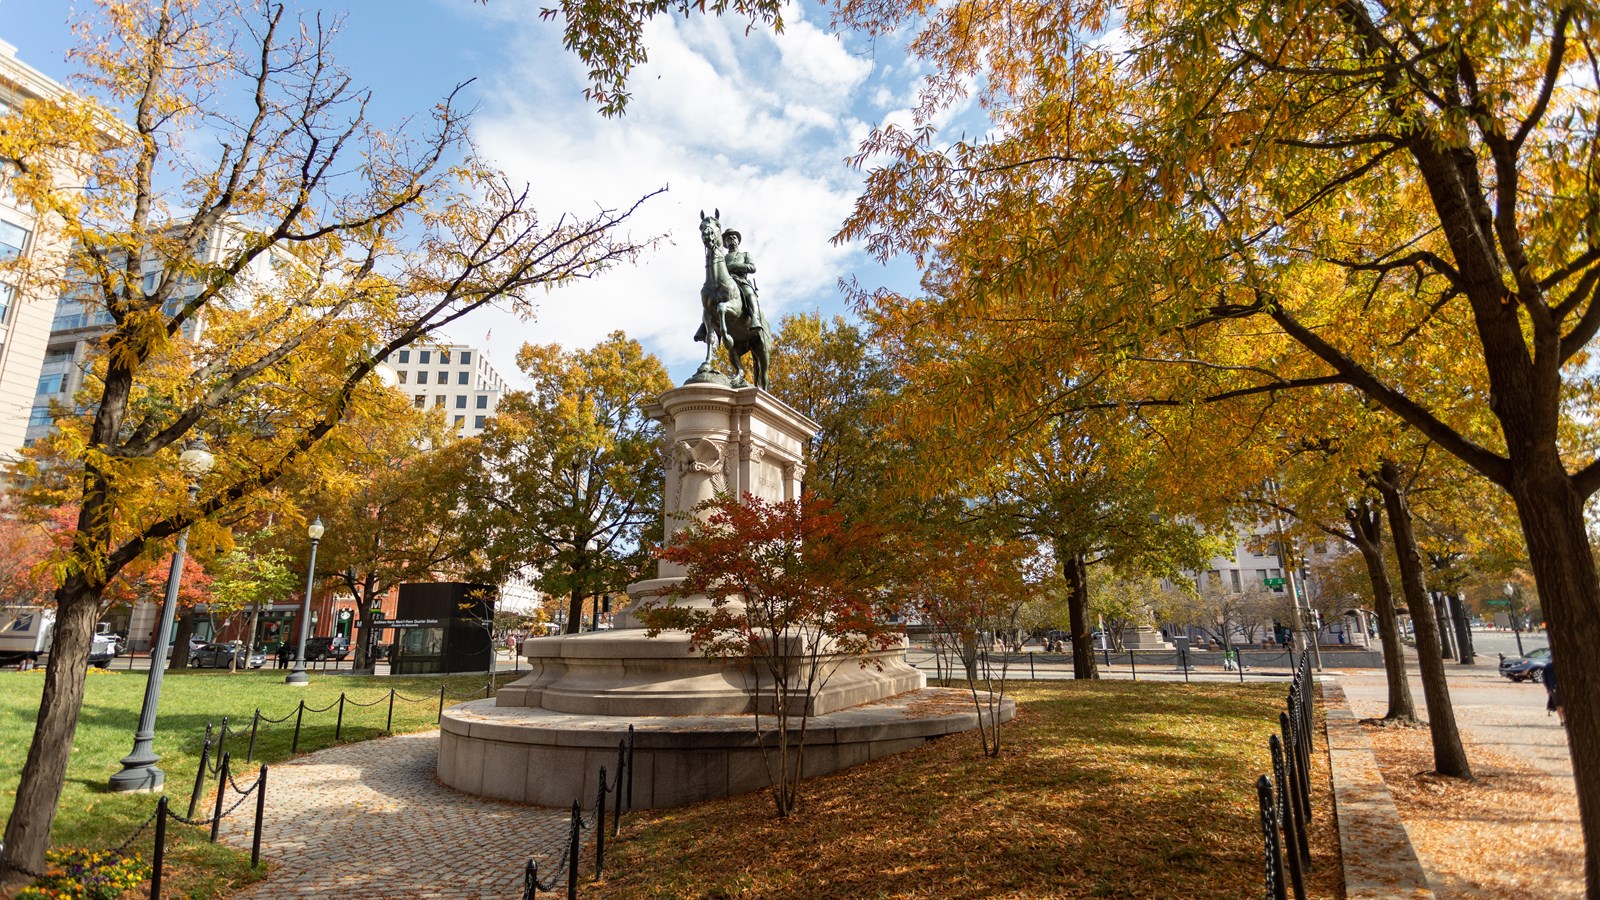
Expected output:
(531, 755)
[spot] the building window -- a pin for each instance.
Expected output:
(422, 377)
(462, 376)
(444, 358)
(438, 399)
(444, 378)
(424, 356)
(1236, 585)
(460, 421)
(401, 375)
(5, 300)
(461, 401)
(419, 400)
(51, 384)
(466, 357)
(477, 422)
(405, 356)
(483, 401)
(13, 238)
(39, 416)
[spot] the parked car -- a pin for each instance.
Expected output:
(320, 648)
(1526, 668)
(103, 650)
(217, 656)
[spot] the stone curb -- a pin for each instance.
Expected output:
(1379, 861)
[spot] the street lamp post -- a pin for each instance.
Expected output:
(139, 771)
(299, 676)
(1511, 610)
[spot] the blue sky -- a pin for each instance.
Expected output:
(757, 125)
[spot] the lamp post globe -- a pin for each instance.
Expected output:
(298, 676)
(139, 770)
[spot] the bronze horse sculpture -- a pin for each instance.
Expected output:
(725, 322)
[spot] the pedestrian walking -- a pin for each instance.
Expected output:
(283, 654)
(1552, 689)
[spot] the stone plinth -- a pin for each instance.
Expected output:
(1143, 638)
(539, 756)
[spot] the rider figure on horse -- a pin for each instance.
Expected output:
(741, 266)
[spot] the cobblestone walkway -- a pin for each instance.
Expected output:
(368, 820)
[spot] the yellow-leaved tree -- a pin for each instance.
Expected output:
(255, 248)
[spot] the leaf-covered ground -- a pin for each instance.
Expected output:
(1104, 789)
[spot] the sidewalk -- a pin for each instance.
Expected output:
(1515, 829)
(370, 820)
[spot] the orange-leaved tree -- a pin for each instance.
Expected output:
(789, 589)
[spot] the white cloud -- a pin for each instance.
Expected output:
(757, 125)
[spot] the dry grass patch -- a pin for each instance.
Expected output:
(1103, 789)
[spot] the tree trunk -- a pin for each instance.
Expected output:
(1441, 610)
(39, 790)
(1458, 613)
(574, 612)
(1366, 524)
(1563, 565)
(180, 641)
(1449, 758)
(1075, 568)
(365, 601)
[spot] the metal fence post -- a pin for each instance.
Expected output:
(440, 717)
(222, 740)
(255, 722)
(630, 767)
(1031, 673)
(600, 826)
(222, 789)
(574, 847)
(338, 725)
(261, 810)
(1269, 839)
(200, 774)
(622, 766)
(1292, 788)
(388, 723)
(158, 857)
(1289, 815)
(1133, 662)
(299, 713)
(1183, 659)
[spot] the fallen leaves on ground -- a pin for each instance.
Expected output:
(1104, 789)
(1512, 831)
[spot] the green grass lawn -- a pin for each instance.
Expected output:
(1103, 789)
(91, 816)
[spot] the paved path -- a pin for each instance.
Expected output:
(369, 820)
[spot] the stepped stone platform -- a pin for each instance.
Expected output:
(533, 755)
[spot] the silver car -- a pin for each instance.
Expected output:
(217, 656)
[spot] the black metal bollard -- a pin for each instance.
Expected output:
(338, 725)
(158, 856)
(299, 713)
(574, 847)
(1133, 662)
(222, 741)
(255, 723)
(388, 723)
(600, 825)
(440, 717)
(200, 774)
(530, 879)
(1269, 840)
(222, 790)
(630, 768)
(261, 810)
(622, 767)
(1183, 659)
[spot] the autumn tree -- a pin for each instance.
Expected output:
(248, 576)
(290, 247)
(788, 588)
(567, 480)
(387, 487)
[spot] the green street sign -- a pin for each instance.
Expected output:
(1274, 582)
(1505, 603)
